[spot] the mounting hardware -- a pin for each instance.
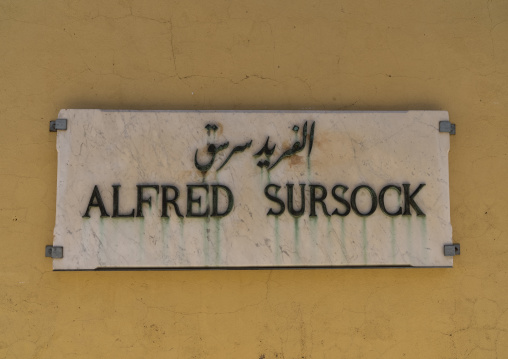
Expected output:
(452, 249)
(447, 126)
(54, 252)
(60, 124)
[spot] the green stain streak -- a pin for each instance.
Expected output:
(165, 233)
(206, 225)
(262, 175)
(141, 238)
(409, 234)
(277, 252)
(364, 237)
(217, 241)
(297, 239)
(393, 237)
(313, 232)
(206, 240)
(342, 239)
(262, 171)
(423, 223)
(181, 247)
(329, 234)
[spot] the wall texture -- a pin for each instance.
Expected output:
(289, 55)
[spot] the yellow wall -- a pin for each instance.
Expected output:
(287, 55)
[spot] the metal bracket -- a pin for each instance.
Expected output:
(60, 124)
(447, 126)
(54, 252)
(451, 250)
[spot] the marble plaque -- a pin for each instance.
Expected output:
(206, 189)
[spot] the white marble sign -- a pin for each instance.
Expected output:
(202, 189)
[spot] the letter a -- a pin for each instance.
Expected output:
(96, 201)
